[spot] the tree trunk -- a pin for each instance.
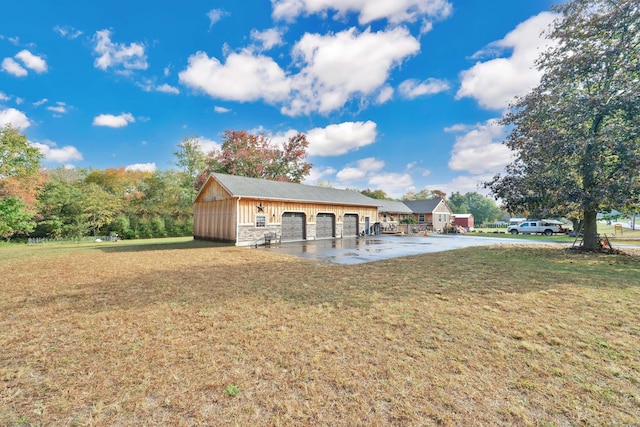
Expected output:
(590, 231)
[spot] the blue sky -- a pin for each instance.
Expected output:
(394, 95)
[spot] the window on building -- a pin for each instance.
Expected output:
(421, 218)
(261, 221)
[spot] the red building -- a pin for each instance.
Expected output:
(463, 220)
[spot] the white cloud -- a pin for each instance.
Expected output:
(317, 173)
(9, 65)
(208, 145)
(337, 67)
(385, 94)
(215, 15)
(67, 32)
(166, 88)
(110, 120)
(244, 77)
(479, 150)
(494, 83)
(394, 184)
(15, 118)
(267, 38)
(221, 110)
(338, 139)
(32, 62)
(59, 108)
(41, 102)
(3, 96)
(464, 184)
(413, 88)
(122, 57)
(363, 168)
(59, 155)
(141, 167)
(395, 11)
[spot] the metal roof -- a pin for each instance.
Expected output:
(241, 186)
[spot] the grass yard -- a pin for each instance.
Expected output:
(179, 332)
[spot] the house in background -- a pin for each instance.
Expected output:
(242, 210)
(463, 220)
(432, 214)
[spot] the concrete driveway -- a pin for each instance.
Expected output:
(375, 248)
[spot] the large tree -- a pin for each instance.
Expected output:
(257, 156)
(192, 161)
(576, 137)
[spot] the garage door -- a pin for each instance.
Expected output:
(325, 224)
(293, 224)
(350, 225)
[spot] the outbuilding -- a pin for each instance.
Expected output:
(243, 210)
(463, 220)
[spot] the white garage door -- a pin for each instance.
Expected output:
(293, 224)
(325, 225)
(350, 225)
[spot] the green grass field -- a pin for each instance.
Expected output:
(178, 332)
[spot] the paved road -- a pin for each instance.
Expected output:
(376, 248)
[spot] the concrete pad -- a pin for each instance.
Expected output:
(359, 250)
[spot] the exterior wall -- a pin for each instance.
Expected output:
(441, 217)
(466, 222)
(214, 214)
(249, 234)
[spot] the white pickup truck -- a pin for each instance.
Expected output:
(547, 227)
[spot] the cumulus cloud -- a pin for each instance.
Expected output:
(244, 77)
(413, 88)
(479, 149)
(221, 110)
(384, 95)
(317, 173)
(15, 118)
(58, 155)
(121, 57)
(32, 62)
(9, 65)
(396, 11)
(337, 67)
(495, 82)
(267, 38)
(361, 169)
(394, 184)
(109, 120)
(208, 145)
(141, 167)
(338, 139)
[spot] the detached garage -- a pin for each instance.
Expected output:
(242, 210)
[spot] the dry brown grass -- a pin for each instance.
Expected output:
(499, 336)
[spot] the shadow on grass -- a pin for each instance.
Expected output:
(160, 245)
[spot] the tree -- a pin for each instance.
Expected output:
(482, 208)
(192, 161)
(375, 194)
(256, 156)
(19, 167)
(576, 136)
(14, 218)
(425, 194)
(457, 203)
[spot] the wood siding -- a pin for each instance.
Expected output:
(214, 214)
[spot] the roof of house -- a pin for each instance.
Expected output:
(462, 215)
(392, 206)
(422, 206)
(241, 186)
